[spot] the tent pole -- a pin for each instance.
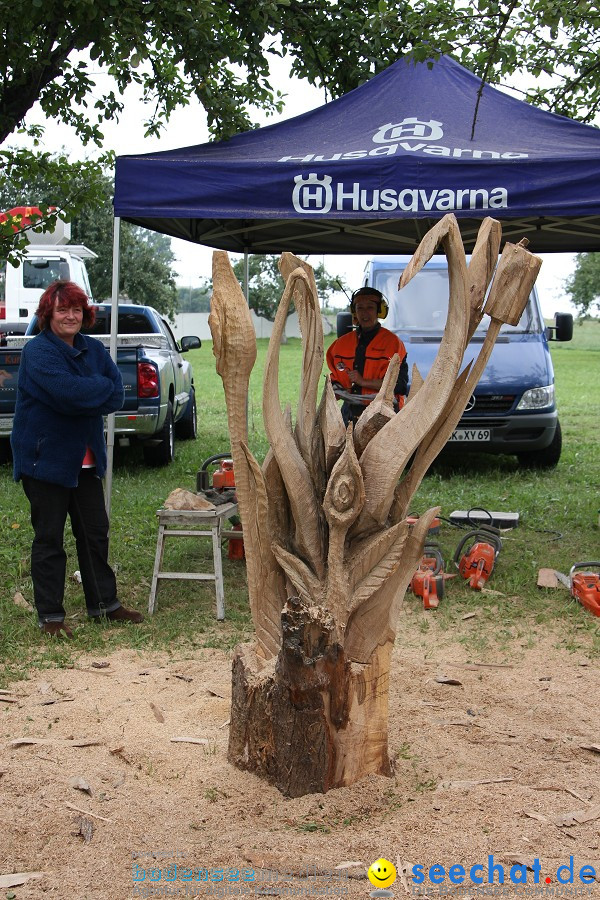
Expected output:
(246, 276)
(247, 296)
(114, 324)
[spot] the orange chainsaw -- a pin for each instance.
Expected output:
(428, 580)
(584, 585)
(478, 559)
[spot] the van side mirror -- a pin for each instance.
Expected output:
(343, 323)
(562, 330)
(190, 342)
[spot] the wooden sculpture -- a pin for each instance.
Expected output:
(329, 550)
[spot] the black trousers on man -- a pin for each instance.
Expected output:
(84, 504)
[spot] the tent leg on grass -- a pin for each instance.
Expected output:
(114, 321)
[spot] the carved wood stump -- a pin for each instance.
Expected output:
(325, 516)
(310, 719)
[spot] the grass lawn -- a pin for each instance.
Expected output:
(558, 527)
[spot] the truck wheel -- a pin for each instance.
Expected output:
(162, 454)
(546, 458)
(187, 427)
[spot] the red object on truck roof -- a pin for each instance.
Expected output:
(23, 216)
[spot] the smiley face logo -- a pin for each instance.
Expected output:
(382, 873)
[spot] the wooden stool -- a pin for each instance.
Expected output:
(197, 523)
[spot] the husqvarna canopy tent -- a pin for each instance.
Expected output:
(372, 171)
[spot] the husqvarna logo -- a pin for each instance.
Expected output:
(407, 129)
(312, 193)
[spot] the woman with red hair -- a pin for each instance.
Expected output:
(67, 383)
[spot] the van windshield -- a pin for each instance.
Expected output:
(39, 273)
(423, 304)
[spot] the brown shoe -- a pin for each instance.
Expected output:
(122, 614)
(57, 629)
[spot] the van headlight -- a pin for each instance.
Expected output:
(537, 398)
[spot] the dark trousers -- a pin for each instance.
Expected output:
(50, 504)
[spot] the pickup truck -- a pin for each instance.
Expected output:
(160, 398)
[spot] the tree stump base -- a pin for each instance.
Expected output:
(311, 719)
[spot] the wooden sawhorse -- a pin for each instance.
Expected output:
(192, 523)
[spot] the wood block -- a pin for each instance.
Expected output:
(514, 278)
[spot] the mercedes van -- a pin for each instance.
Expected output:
(513, 408)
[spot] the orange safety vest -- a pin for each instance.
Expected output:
(379, 351)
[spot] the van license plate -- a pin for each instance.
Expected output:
(474, 435)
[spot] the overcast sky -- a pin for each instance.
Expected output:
(188, 127)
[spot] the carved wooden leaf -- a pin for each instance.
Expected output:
(481, 268)
(305, 509)
(380, 572)
(332, 426)
(416, 382)
(234, 338)
(264, 589)
(372, 550)
(317, 443)
(307, 585)
(311, 328)
(429, 244)
(258, 496)
(278, 503)
(374, 621)
(380, 410)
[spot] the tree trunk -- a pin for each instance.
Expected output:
(309, 720)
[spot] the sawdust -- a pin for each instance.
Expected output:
(473, 761)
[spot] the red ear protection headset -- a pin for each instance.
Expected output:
(382, 307)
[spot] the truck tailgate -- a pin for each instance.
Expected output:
(127, 360)
(9, 373)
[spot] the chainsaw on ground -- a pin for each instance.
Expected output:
(482, 545)
(428, 580)
(584, 584)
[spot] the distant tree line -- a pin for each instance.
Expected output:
(265, 287)
(194, 300)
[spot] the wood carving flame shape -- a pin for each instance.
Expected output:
(329, 551)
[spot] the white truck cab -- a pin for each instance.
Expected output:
(22, 286)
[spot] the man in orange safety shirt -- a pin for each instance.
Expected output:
(359, 359)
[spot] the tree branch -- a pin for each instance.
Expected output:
(503, 23)
(20, 95)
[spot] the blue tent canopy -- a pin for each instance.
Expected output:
(372, 172)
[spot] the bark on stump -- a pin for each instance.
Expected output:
(311, 719)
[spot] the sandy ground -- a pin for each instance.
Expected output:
(501, 763)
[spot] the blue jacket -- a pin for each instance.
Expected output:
(62, 394)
